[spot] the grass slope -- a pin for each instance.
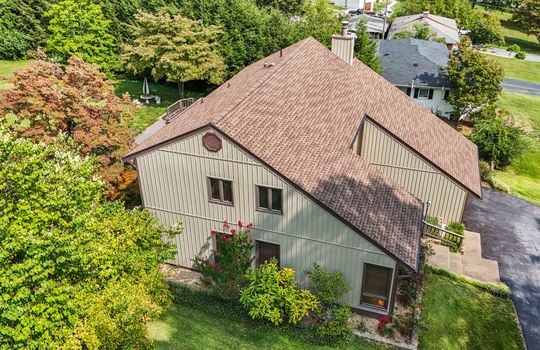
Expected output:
(512, 33)
(523, 176)
(199, 321)
(462, 316)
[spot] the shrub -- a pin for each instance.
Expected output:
(334, 326)
(271, 294)
(500, 185)
(486, 174)
(520, 55)
(232, 259)
(456, 227)
(384, 327)
(328, 287)
(410, 287)
(513, 48)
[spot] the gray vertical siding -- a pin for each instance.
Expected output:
(174, 187)
(409, 170)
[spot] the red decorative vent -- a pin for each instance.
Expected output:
(211, 142)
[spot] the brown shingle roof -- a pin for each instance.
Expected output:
(300, 117)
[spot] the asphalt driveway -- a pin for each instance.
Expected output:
(524, 87)
(510, 231)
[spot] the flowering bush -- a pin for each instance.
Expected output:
(225, 274)
(271, 294)
(384, 327)
(410, 288)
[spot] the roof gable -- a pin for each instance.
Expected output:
(300, 116)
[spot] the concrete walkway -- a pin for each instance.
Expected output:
(510, 229)
(469, 264)
(495, 51)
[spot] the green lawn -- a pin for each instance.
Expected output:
(7, 69)
(146, 114)
(523, 176)
(513, 34)
(519, 69)
(198, 321)
(460, 315)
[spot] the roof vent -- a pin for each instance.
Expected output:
(415, 64)
(269, 64)
(425, 14)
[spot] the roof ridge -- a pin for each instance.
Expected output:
(255, 87)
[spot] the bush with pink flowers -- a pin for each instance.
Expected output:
(225, 273)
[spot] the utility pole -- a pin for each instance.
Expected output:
(384, 23)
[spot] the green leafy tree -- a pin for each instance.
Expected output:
(288, 7)
(419, 31)
(498, 140)
(175, 48)
(486, 29)
(76, 100)
(78, 27)
(78, 271)
(365, 49)
(527, 16)
(460, 10)
(250, 33)
(476, 79)
(318, 21)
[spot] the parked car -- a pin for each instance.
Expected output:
(355, 12)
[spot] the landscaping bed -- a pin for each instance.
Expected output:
(198, 320)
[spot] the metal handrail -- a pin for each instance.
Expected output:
(443, 230)
(177, 107)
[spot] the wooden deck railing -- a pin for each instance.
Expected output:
(449, 238)
(176, 108)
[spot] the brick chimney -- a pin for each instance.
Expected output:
(343, 45)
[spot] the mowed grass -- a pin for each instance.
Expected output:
(145, 114)
(8, 69)
(200, 321)
(523, 176)
(460, 315)
(519, 69)
(512, 32)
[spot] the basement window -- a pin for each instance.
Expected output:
(269, 199)
(220, 191)
(376, 286)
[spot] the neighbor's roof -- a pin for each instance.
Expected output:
(411, 60)
(442, 26)
(300, 117)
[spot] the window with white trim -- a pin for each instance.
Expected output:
(220, 191)
(270, 199)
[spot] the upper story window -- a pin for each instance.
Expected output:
(269, 199)
(220, 191)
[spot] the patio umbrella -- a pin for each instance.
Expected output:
(145, 87)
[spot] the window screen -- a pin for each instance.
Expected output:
(266, 251)
(376, 285)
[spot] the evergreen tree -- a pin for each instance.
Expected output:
(365, 49)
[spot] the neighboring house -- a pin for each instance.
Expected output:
(374, 25)
(419, 69)
(330, 162)
(443, 27)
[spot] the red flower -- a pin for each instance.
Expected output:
(226, 224)
(233, 232)
(240, 224)
(248, 227)
(215, 265)
(380, 326)
(213, 232)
